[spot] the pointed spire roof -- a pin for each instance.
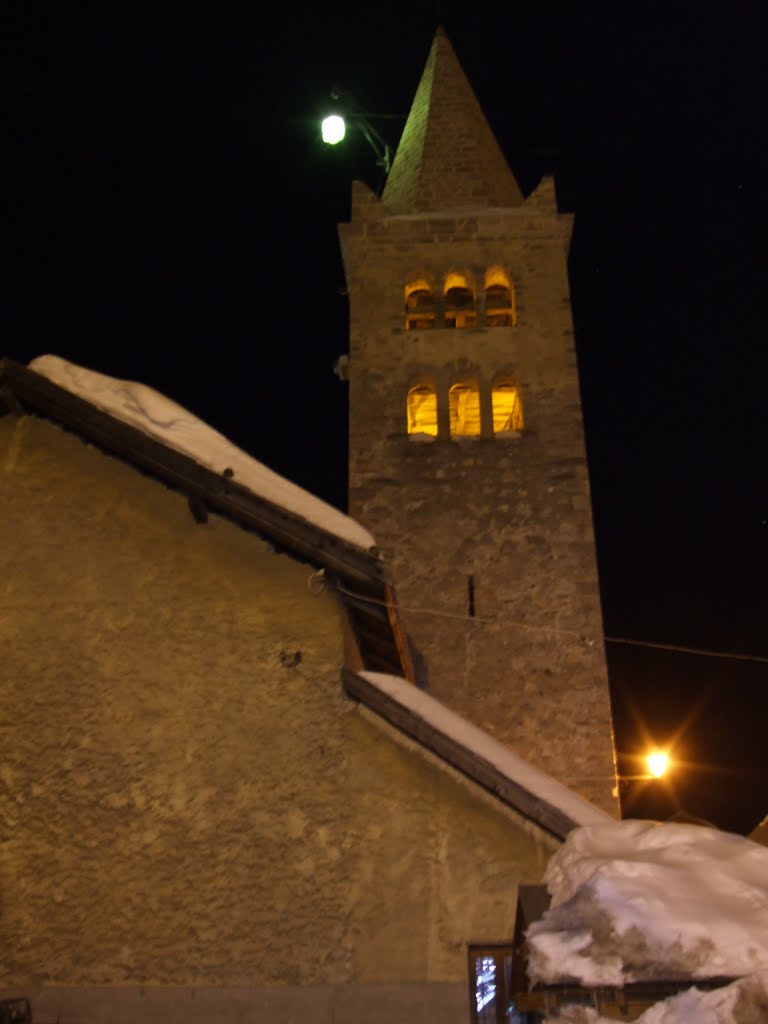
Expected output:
(448, 156)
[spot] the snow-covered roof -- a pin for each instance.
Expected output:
(547, 795)
(638, 901)
(165, 421)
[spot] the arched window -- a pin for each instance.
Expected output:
(507, 408)
(464, 409)
(499, 299)
(422, 411)
(459, 301)
(419, 305)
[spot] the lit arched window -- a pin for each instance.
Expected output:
(499, 299)
(422, 411)
(464, 409)
(419, 305)
(459, 301)
(507, 409)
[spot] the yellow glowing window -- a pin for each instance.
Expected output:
(422, 411)
(507, 409)
(499, 299)
(459, 302)
(464, 407)
(419, 306)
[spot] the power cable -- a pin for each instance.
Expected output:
(654, 645)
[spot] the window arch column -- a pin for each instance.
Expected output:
(421, 410)
(464, 408)
(420, 309)
(459, 300)
(506, 406)
(498, 299)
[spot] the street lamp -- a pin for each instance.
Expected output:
(333, 129)
(658, 763)
(347, 109)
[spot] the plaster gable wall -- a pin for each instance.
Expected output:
(184, 802)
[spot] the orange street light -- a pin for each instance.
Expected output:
(658, 763)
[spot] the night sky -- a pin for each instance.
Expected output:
(171, 218)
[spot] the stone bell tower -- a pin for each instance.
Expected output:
(466, 449)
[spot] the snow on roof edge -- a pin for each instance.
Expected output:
(162, 419)
(479, 742)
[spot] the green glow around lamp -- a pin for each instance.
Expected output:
(333, 129)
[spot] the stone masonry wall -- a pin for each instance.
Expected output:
(513, 514)
(189, 808)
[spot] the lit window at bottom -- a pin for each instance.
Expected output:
(485, 982)
(491, 986)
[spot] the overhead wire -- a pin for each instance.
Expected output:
(733, 655)
(652, 644)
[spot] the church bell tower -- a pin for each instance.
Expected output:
(466, 448)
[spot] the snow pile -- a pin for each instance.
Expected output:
(175, 427)
(635, 900)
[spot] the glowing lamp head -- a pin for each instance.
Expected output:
(333, 129)
(658, 762)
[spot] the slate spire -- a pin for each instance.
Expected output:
(448, 156)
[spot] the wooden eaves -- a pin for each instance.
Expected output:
(358, 574)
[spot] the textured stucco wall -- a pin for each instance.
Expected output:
(514, 514)
(183, 806)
